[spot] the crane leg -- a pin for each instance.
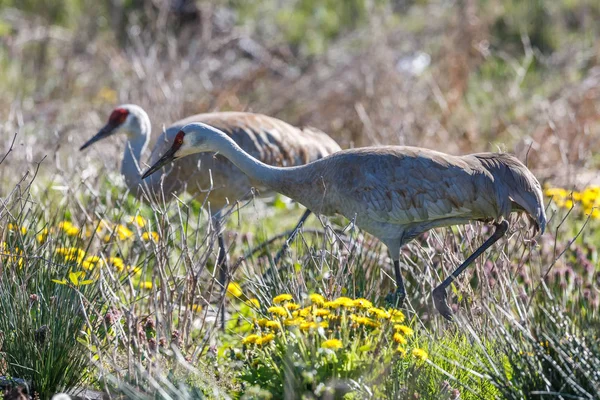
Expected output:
(439, 293)
(221, 264)
(292, 236)
(223, 269)
(396, 299)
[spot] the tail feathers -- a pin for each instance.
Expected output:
(522, 186)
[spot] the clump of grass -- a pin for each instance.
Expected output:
(48, 303)
(323, 346)
(546, 353)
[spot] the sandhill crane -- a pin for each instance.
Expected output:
(393, 192)
(270, 140)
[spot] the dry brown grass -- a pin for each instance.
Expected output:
(60, 84)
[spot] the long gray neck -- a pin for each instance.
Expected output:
(130, 167)
(138, 135)
(294, 182)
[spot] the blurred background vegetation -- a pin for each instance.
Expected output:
(472, 75)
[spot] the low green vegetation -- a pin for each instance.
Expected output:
(124, 299)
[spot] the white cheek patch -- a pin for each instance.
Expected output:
(185, 150)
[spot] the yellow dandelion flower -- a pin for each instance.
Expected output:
(147, 236)
(42, 236)
(72, 231)
(591, 197)
(294, 321)
(265, 339)
(278, 310)
(64, 225)
(117, 263)
(253, 303)
(399, 338)
(362, 303)
(396, 315)
(400, 349)
(382, 314)
(146, 285)
(323, 324)
(304, 312)
(317, 299)
(70, 253)
(87, 265)
(234, 290)
(196, 307)
(137, 220)
(92, 259)
(556, 192)
(15, 257)
(321, 312)
(307, 326)
(333, 344)
(291, 306)
(331, 304)
(365, 321)
(275, 325)
(250, 339)
(106, 95)
(281, 298)
(261, 322)
(403, 329)
(14, 228)
(344, 302)
(419, 354)
(123, 232)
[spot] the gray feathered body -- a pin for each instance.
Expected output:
(396, 193)
(268, 139)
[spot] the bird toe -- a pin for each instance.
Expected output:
(439, 300)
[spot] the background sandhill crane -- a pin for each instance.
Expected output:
(393, 192)
(270, 140)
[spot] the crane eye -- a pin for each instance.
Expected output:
(179, 138)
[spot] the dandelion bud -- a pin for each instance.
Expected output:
(150, 325)
(176, 338)
(110, 318)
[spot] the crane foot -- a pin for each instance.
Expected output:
(396, 299)
(439, 300)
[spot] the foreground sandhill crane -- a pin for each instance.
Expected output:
(268, 139)
(394, 192)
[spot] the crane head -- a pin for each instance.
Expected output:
(117, 119)
(192, 138)
(169, 156)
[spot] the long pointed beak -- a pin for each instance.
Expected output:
(105, 132)
(168, 157)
